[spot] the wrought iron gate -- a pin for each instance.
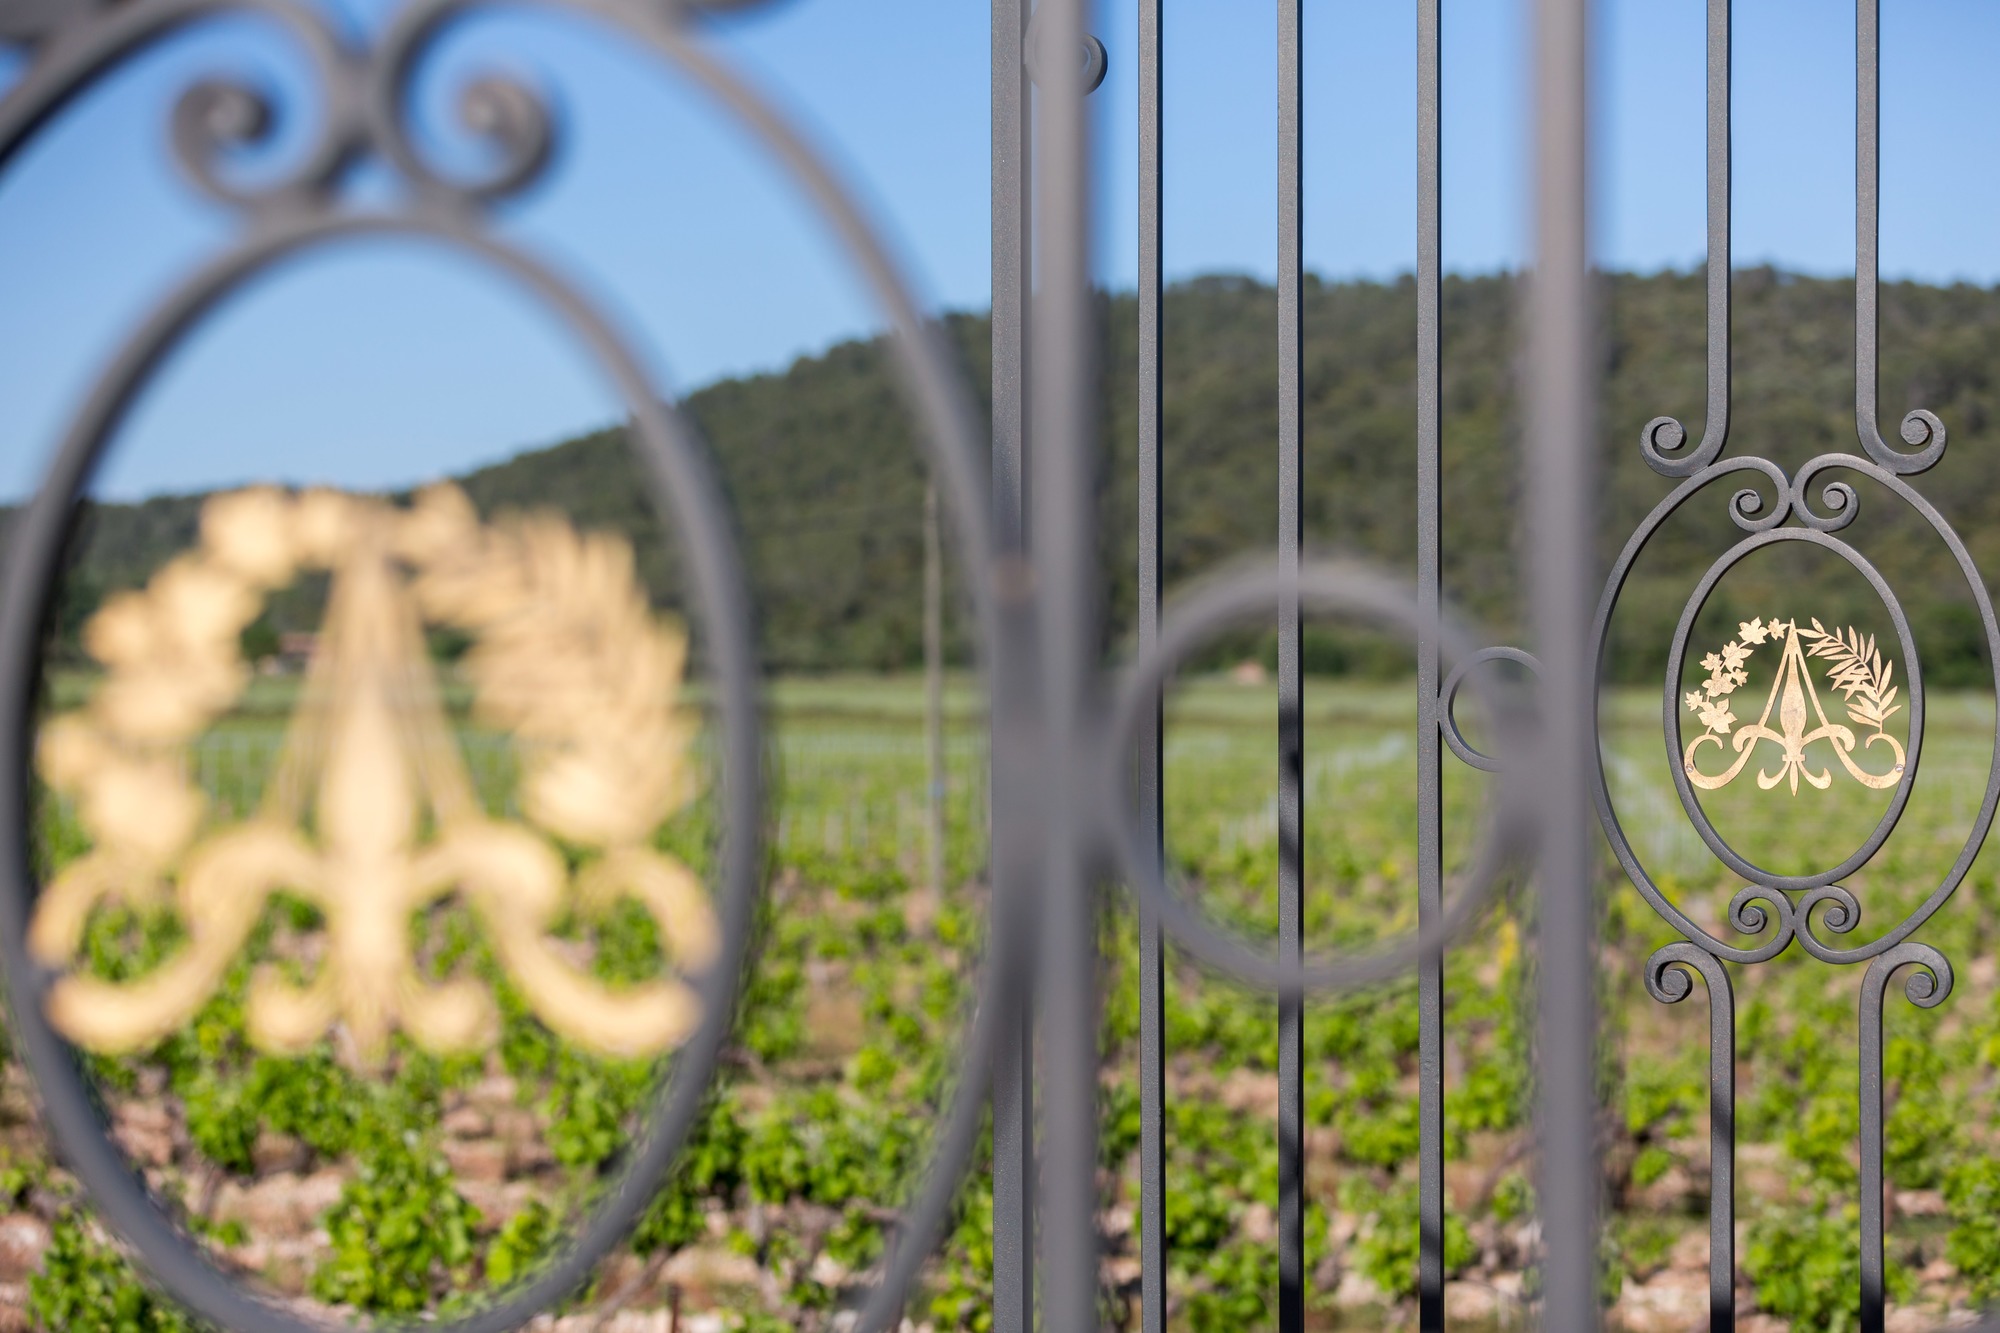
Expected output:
(1077, 760)
(1055, 341)
(1560, 749)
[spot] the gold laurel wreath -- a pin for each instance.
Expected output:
(567, 656)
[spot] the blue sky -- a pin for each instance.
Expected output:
(388, 364)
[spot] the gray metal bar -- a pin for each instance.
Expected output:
(1927, 989)
(1291, 724)
(1721, 1152)
(1867, 211)
(1919, 427)
(1012, 248)
(1722, 1009)
(935, 789)
(1669, 980)
(1720, 275)
(1560, 475)
(1063, 398)
(1430, 797)
(1149, 788)
(1013, 1072)
(1874, 1285)
(1867, 370)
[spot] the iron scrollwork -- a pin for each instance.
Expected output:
(364, 90)
(1327, 588)
(1858, 668)
(1776, 910)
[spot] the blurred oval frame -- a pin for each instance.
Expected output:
(364, 90)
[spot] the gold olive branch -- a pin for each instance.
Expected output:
(1856, 668)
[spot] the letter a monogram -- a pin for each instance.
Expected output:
(370, 814)
(1854, 666)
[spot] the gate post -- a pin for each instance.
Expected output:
(1561, 431)
(1013, 1067)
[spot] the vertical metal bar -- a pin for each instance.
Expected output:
(1668, 980)
(1919, 428)
(1721, 998)
(1867, 210)
(1430, 795)
(1012, 249)
(1150, 787)
(1561, 431)
(1013, 1073)
(934, 759)
(1291, 723)
(1927, 989)
(1874, 1293)
(1721, 1153)
(1867, 269)
(1065, 562)
(1720, 276)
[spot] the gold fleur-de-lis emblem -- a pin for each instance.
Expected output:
(371, 814)
(1854, 666)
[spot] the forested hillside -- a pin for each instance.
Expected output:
(827, 486)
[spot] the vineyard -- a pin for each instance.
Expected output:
(426, 1182)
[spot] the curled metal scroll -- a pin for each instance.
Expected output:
(1757, 907)
(215, 116)
(1096, 60)
(1454, 736)
(364, 107)
(1327, 588)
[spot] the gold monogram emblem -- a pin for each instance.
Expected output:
(1854, 667)
(370, 813)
